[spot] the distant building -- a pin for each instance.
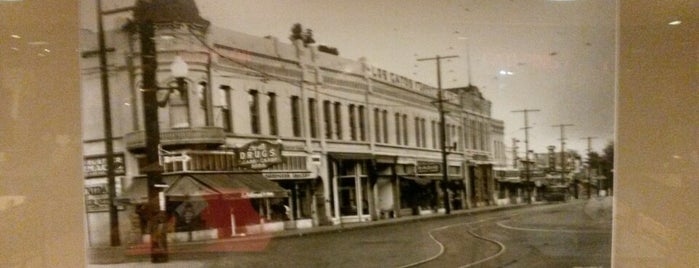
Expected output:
(356, 142)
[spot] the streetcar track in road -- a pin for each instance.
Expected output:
(442, 248)
(501, 224)
(500, 252)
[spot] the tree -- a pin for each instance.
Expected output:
(296, 32)
(607, 163)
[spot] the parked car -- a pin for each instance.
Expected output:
(557, 193)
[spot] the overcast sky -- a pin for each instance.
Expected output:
(554, 56)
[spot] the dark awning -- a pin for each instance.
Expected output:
(241, 186)
(420, 181)
(137, 192)
(439, 177)
(228, 186)
(350, 156)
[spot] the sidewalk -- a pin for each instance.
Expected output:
(138, 257)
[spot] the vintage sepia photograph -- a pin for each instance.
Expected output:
(349, 134)
(389, 133)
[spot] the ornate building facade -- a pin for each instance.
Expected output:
(355, 142)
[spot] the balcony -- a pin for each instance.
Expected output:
(178, 137)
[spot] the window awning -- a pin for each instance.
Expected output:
(350, 156)
(137, 192)
(420, 181)
(243, 186)
(219, 185)
(439, 177)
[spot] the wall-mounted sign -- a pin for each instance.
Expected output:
(96, 165)
(259, 154)
(97, 194)
(287, 175)
(257, 194)
(480, 157)
(428, 167)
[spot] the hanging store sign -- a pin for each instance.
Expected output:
(96, 166)
(428, 167)
(259, 154)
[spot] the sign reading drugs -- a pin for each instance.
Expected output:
(259, 154)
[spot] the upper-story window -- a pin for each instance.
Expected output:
(272, 113)
(417, 132)
(447, 135)
(198, 104)
(362, 123)
(405, 129)
(384, 121)
(424, 134)
(377, 125)
(434, 134)
(296, 116)
(338, 120)
(327, 119)
(177, 104)
(313, 117)
(398, 129)
(352, 122)
(225, 109)
(254, 105)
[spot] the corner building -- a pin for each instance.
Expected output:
(358, 143)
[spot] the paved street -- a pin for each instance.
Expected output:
(576, 234)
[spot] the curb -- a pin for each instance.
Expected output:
(118, 255)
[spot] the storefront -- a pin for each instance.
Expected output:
(214, 205)
(353, 177)
(482, 184)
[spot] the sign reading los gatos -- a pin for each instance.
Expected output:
(259, 154)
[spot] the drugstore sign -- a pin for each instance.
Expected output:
(259, 154)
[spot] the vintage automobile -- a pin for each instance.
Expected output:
(557, 193)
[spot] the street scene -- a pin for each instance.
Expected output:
(575, 234)
(217, 139)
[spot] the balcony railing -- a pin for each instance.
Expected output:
(180, 136)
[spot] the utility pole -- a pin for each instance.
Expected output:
(114, 237)
(515, 159)
(589, 150)
(563, 156)
(526, 150)
(442, 127)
